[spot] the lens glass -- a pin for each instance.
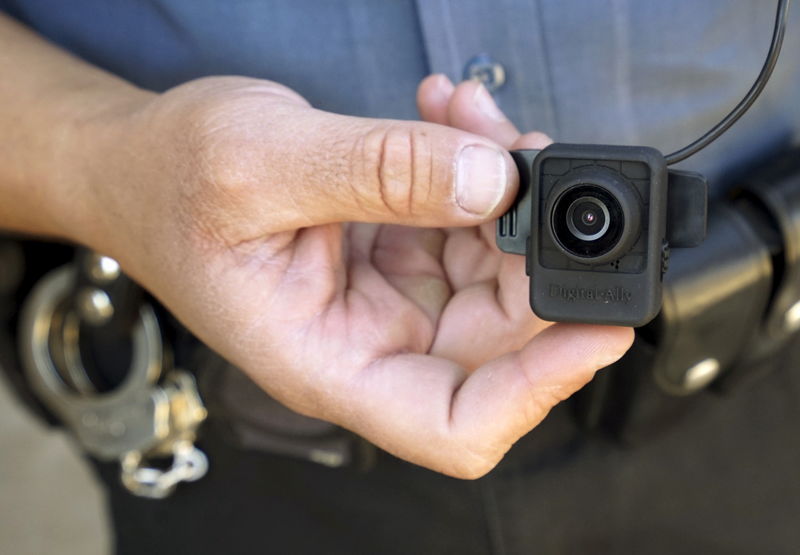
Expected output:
(587, 220)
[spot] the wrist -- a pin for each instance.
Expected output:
(51, 108)
(86, 164)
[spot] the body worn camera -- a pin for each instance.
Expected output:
(596, 224)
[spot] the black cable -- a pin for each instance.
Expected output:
(750, 97)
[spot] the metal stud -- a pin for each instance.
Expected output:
(102, 269)
(701, 374)
(793, 317)
(95, 306)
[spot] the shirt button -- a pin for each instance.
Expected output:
(487, 70)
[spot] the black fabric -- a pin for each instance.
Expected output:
(250, 502)
(725, 478)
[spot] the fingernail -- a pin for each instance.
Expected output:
(486, 105)
(481, 179)
(444, 86)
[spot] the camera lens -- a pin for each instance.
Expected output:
(587, 221)
(587, 218)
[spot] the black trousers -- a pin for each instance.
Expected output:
(723, 478)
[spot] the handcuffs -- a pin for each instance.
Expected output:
(151, 415)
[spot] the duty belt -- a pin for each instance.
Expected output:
(154, 410)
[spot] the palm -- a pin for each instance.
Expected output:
(444, 292)
(359, 292)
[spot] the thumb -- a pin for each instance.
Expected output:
(320, 168)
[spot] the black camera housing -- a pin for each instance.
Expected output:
(596, 224)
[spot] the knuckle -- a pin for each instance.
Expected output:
(546, 396)
(397, 161)
(543, 399)
(471, 456)
(217, 154)
(471, 463)
(219, 172)
(542, 396)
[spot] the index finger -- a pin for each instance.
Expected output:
(472, 108)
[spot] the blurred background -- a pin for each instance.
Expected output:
(50, 501)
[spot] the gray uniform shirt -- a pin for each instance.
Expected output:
(649, 72)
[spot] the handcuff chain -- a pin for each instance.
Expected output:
(188, 464)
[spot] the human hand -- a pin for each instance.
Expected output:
(229, 198)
